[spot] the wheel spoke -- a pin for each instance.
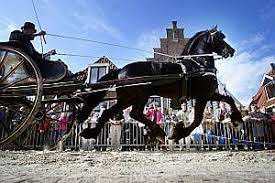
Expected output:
(52, 119)
(13, 108)
(51, 108)
(16, 82)
(11, 71)
(3, 59)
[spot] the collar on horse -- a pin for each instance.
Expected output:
(201, 71)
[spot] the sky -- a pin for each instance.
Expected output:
(248, 25)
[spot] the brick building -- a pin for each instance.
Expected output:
(265, 97)
(173, 44)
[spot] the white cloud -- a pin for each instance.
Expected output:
(242, 74)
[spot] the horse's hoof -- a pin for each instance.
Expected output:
(161, 139)
(89, 133)
(177, 132)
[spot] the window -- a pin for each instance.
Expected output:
(270, 90)
(156, 100)
(97, 72)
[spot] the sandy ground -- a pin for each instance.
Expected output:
(39, 166)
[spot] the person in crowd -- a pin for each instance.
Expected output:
(208, 123)
(182, 117)
(43, 129)
(115, 130)
(196, 134)
(62, 124)
(154, 114)
(170, 122)
(258, 128)
(54, 122)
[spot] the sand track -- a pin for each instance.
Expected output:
(39, 166)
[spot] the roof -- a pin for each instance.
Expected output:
(260, 98)
(106, 60)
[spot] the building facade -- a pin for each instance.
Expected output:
(265, 97)
(173, 44)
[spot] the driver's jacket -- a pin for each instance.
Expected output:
(22, 41)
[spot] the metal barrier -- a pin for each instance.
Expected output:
(131, 136)
(217, 135)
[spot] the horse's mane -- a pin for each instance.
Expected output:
(191, 42)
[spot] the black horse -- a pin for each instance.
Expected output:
(199, 83)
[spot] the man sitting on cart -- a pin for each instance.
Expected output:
(50, 70)
(22, 40)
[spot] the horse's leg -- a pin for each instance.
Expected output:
(91, 101)
(181, 132)
(236, 115)
(106, 115)
(137, 114)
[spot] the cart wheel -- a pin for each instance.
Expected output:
(51, 130)
(20, 94)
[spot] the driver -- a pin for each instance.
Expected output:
(24, 38)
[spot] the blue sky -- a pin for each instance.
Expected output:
(248, 25)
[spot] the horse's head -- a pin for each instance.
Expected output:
(218, 44)
(207, 42)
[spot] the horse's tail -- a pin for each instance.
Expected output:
(93, 99)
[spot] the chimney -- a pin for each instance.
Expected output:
(273, 66)
(174, 24)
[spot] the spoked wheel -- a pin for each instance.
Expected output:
(57, 125)
(20, 94)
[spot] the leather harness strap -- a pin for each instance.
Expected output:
(186, 76)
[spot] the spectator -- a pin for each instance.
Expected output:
(169, 123)
(62, 125)
(258, 127)
(182, 117)
(196, 134)
(155, 115)
(53, 122)
(208, 123)
(43, 129)
(222, 112)
(115, 130)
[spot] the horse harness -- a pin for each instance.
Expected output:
(186, 77)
